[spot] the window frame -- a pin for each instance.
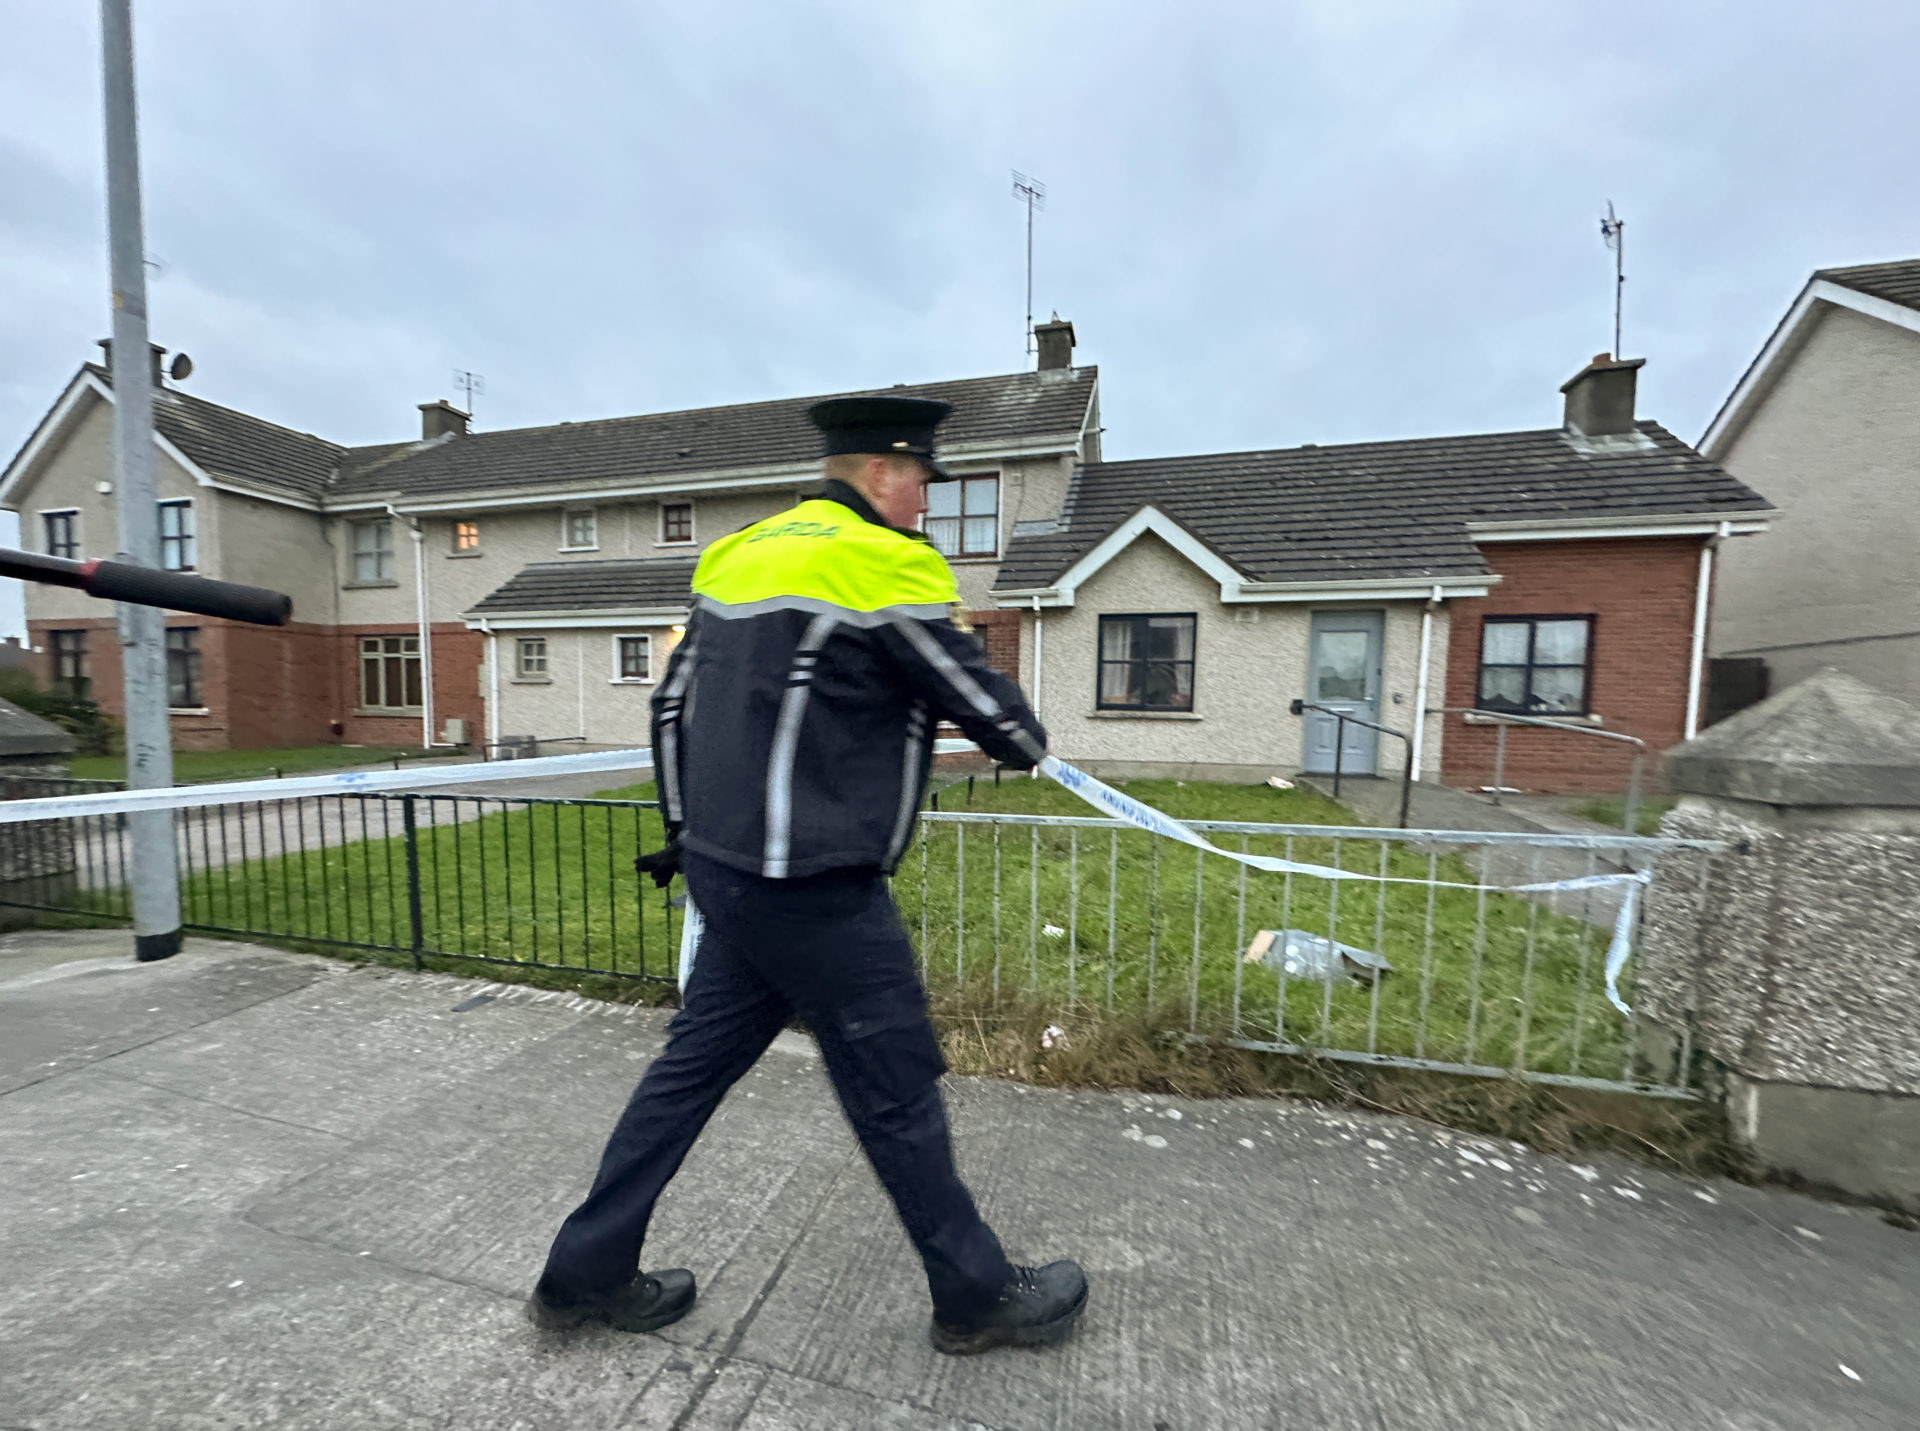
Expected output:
(1532, 622)
(189, 648)
(71, 545)
(620, 678)
(80, 682)
(662, 539)
(567, 514)
(1100, 662)
(521, 671)
(186, 540)
(961, 552)
(383, 657)
(455, 547)
(379, 552)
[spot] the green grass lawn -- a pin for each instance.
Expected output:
(1085, 919)
(193, 766)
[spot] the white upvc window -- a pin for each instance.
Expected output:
(530, 659)
(632, 659)
(579, 530)
(466, 537)
(373, 550)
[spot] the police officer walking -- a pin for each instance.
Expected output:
(792, 736)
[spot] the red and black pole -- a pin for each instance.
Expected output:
(142, 586)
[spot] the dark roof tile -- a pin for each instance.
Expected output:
(1396, 510)
(593, 585)
(1895, 282)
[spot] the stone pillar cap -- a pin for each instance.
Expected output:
(1830, 740)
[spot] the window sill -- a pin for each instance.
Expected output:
(188, 711)
(630, 681)
(529, 680)
(367, 585)
(972, 561)
(689, 542)
(463, 556)
(1143, 715)
(1494, 718)
(569, 551)
(396, 712)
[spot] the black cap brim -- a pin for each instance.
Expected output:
(937, 473)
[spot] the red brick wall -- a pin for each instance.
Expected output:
(456, 686)
(1640, 592)
(999, 632)
(285, 686)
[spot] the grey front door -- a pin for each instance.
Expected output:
(1343, 674)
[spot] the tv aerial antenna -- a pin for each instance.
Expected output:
(473, 385)
(1034, 194)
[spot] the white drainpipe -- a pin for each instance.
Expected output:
(427, 741)
(1039, 651)
(493, 687)
(1420, 683)
(1701, 595)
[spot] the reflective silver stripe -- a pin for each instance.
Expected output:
(1022, 737)
(786, 743)
(672, 704)
(935, 655)
(909, 781)
(816, 606)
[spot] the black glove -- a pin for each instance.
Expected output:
(663, 864)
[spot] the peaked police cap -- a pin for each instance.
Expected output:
(882, 426)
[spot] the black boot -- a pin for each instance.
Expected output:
(650, 1301)
(1036, 1309)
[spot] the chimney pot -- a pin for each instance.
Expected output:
(1600, 397)
(441, 418)
(1055, 340)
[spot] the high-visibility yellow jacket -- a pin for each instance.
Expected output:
(793, 728)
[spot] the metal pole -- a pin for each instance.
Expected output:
(1619, 281)
(1633, 794)
(1406, 786)
(1339, 749)
(1499, 760)
(416, 922)
(154, 878)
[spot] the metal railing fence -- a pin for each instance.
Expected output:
(1502, 721)
(1082, 914)
(1086, 912)
(502, 880)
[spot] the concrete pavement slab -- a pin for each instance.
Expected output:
(472, 1180)
(340, 1229)
(69, 1013)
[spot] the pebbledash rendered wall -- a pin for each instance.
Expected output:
(1794, 962)
(1250, 663)
(1640, 592)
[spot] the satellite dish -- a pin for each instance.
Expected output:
(181, 368)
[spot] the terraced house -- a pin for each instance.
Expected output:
(466, 587)
(1165, 614)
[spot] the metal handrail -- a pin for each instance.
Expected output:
(1339, 748)
(1502, 719)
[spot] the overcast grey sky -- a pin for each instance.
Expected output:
(1324, 221)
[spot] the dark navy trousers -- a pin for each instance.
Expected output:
(831, 949)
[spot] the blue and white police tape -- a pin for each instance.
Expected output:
(338, 782)
(1101, 796)
(1124, 807)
